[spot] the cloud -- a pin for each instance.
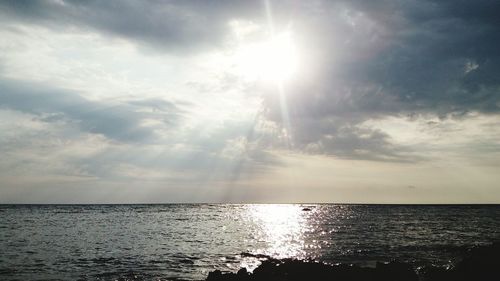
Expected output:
(176, 26)
(65, 137)
(362, 144)
(116, 121)
(404, 59)
(149, 91)
(364, 60)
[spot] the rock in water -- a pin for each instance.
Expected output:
(479, 264)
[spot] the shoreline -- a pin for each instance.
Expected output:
(478, 263)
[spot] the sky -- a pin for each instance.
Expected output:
(249, 101)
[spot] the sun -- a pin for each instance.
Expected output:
(275, 59)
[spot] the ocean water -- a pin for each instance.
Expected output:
(185, 242)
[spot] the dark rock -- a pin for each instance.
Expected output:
(434, 273)
(214, 275)
(396, 271)
(242, 274)
(480, 263)
(259, 256)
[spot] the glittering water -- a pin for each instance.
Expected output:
(151, 242)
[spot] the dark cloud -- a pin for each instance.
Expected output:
(116, 121)
(391, 58)
(427, 65)
(361, 143)
(179, 26)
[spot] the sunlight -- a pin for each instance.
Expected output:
(283, 226)
(274, 60)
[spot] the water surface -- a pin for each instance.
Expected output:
(168, 242)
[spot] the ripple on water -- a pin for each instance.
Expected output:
(187, 241)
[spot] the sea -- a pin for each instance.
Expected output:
(187, 241)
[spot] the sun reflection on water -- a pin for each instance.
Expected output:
(282, 229)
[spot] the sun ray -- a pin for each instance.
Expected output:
(290, 55)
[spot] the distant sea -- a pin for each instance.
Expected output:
(186, 241)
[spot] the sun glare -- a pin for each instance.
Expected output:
(273, 60)
(283, 226)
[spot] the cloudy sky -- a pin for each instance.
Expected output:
(249, 101)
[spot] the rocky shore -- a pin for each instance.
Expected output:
(477, 264)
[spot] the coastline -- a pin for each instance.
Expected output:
(478, 263)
